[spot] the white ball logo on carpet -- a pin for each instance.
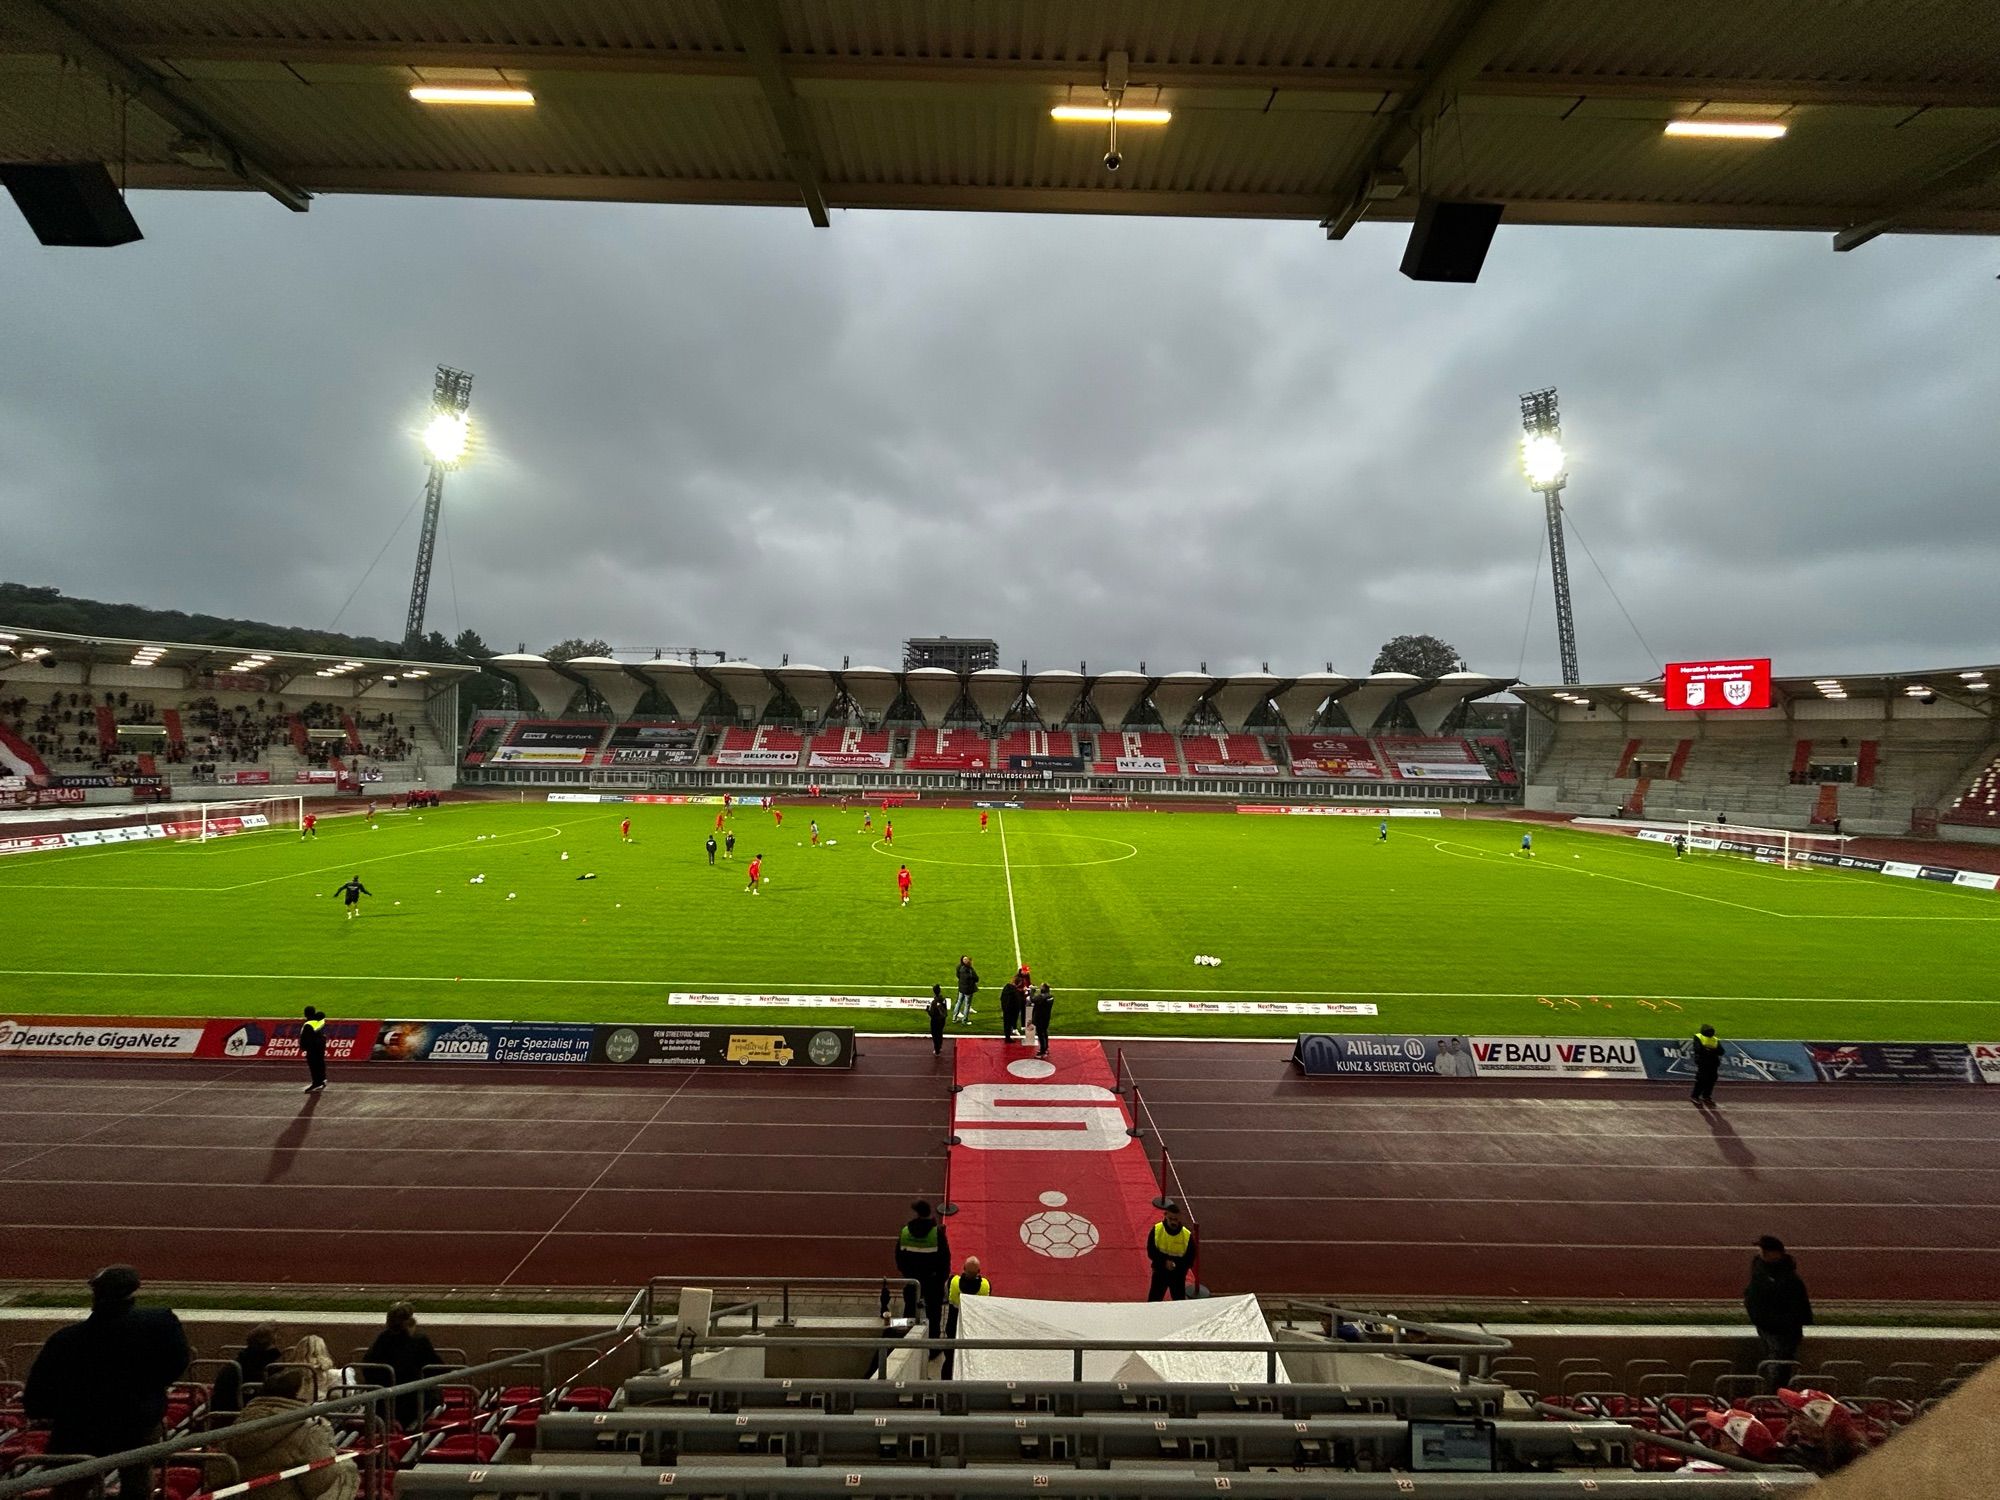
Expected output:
(1058, 1234)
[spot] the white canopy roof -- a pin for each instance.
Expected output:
(1153, 1328)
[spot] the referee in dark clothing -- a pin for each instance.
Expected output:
(312, 1042)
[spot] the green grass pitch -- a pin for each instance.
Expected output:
(1444, 926)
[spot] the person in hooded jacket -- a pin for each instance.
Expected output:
(1779, 1307)
(408, 1353)
(288, 1446)
(101, 1384)
(258, 1354)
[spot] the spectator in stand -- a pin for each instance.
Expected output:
(407, 1353)
(1779, 1307)
(289, 1445)
(315, 1361)
(258, 1354)
(101, 1384)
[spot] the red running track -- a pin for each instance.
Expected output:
(1574, 1190)
(503, 1176)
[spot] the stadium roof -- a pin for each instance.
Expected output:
(1055, 692)
(20, 646)
(1281, 108)
(1969, 687)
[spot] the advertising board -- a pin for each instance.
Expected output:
(269, 1041)
(87, 1036)
(483, 1042)
(1141, 765)
(1742, 1062)
(1557, 1057)
(806, 1047)
(849, 760)
(1337, 1054)
(1241, 768)
(1894, 1062)
(757, 757)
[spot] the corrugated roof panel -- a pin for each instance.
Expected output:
(638, 24)
(1201, 151)
(1269, 33)
(637, 129)
(1520, 158)
(1835, 40)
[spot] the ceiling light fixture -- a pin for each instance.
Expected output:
(425, 93)
(1726, 130)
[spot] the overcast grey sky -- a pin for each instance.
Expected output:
(1097, 440)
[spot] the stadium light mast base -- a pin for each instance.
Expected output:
(1546, 466)
(444, 441)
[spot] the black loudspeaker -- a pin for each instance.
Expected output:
(70, 203)
(1448, 241)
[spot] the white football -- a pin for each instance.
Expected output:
(510, 895)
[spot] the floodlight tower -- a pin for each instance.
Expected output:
(1547, 468)
(444, 440)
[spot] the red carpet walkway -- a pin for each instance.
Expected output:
(1054, 1195)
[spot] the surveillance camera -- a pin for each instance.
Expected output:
(1113, 161)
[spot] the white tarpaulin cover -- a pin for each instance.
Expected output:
(1151, 1328)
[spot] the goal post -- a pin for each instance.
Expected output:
(1774, 846)
(212, 820)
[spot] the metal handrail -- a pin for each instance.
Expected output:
(1036, 1482)
(365, 1402)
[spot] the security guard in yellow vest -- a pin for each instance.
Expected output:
(312, 1042)
(1707, 1065)
(1170, 1248)
(967, 1283)
(923, 1255)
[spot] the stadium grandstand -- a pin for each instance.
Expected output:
(1323, 735)
(85, 720)
(1878, 754)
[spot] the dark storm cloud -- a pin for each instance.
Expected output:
(1094, 440)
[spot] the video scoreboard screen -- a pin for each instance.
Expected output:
(1708, 686)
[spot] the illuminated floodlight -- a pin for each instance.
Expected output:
(1726, 130)
(505, 97)
(445, 437)
(1104, 114)
(1542, 459)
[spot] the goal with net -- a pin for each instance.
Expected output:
(198, 822)
(1771, 846)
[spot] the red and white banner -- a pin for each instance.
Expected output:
(313, 778)
(278, 1041)
(846, 760)
(30, 845)
(1707, 686)
(1247, 768)
(1141, 765)
(88, 1036)
(1986, 1058)
(756, 757)
(253, 778)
